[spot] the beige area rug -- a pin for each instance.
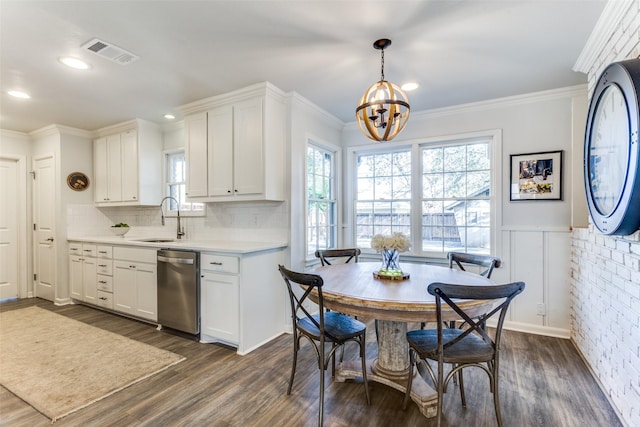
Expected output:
(59, 365)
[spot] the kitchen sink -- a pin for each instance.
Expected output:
(156, 240)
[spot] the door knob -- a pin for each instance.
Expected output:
(50, 239)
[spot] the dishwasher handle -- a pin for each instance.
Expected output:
(175, 260)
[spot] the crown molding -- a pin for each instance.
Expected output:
(314, 108)
(607, 25)
(55, 129)
(510, 101)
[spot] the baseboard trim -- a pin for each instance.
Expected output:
(537, 329)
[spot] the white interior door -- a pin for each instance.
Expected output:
(9, 263)
(44, 228)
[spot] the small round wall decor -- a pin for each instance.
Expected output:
(77, 181)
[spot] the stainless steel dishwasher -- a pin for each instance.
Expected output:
(179, 290)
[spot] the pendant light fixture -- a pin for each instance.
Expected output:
(383, 110)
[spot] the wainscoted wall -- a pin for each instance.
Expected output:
(605, 271)
(539, 257)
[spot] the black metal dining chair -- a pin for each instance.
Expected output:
(327, 256)
(461, 258)
(320, 328)
(472, 345)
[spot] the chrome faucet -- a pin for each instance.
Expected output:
(180, 231)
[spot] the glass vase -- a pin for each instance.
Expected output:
(390, 263)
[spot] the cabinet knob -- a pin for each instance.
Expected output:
(228, 191)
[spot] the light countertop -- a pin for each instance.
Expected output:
(230, 246)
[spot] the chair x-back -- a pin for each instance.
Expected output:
(320, 328)
(328, 256)
(472, 345)
(461, 258)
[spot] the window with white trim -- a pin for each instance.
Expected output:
(456, 190)
(175, 185)
(383, 204)
(439, 194)
(322, 217)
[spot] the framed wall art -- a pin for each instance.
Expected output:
(536, 176)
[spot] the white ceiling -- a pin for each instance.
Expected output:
(459, 52)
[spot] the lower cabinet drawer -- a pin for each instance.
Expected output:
(104, 266)
(105, 299)
(219, 263)
(105, 283)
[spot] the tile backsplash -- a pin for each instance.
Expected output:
(246, 221)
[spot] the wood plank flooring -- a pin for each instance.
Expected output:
(544, 382)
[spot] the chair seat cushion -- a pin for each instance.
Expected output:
(470, 349)
(338, 327)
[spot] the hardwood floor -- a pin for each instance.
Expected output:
(543, 382)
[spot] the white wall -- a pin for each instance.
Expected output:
(17, 146)
(307, 122)
(605, 270)
(532, 236)
(72, 151)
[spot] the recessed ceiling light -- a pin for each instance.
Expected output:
(76, 63)
(169, 116)
(410, 86)
(18, 94)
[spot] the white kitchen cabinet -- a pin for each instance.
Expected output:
(243, 142)
(220, 151)
(107, 164)
(89, 267)
(196, 154)
(242, 298)
(90, 280)
(220, 307)
(76, 280)
(130, 166)
(135, 282)
(127, 164)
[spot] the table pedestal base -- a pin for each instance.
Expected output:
(424, 395)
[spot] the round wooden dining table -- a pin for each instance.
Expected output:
(353, 289)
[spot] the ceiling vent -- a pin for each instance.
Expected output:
(110, 51)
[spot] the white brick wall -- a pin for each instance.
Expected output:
(605, 271)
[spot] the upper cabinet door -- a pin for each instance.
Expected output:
(114, 171)
(221, 151)
(196, 154)
(100, 171)
(128, 165)
(129, 146)
(246, 141)
(248, 147)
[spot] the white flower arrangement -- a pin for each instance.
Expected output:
(397, 241)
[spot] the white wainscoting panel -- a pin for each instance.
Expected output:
(540, 258)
